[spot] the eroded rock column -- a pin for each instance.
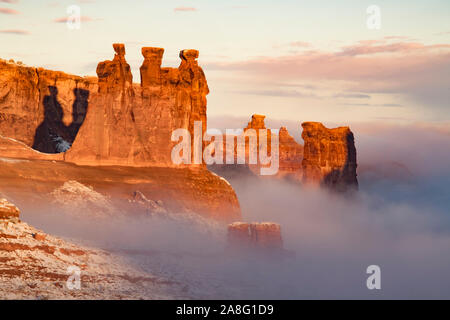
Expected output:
(329, 157)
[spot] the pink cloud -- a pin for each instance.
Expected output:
(15, 31)
(8, 11)
(177, 9)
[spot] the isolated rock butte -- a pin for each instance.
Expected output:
(264, 236)
(329, 157)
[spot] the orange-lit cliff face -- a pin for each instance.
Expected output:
(46, 115)
(328, 158)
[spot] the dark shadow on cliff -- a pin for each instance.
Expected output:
(52, 135)
(345, 179)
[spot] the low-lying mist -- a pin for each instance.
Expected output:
(399, 220)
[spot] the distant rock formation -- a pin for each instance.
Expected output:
(35, 265)
(110, 121)
(291, 156)
(257, 236)
(329, 157)
(257, 122)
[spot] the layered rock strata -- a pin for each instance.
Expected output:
(260, 236)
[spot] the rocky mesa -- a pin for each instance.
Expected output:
(110, 121)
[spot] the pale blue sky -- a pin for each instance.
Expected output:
(236, 32)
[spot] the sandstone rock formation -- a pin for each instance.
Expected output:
(8, 211)
(115, 76)
(104, 121)
(35, 265)
(255, 236)
(42, 108)
(329, 157)
(291, 156)
(257, 122)
(109, 120)
(290, 153)
(91, 191)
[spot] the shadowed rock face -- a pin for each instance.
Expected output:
(8, 211)
(329, 157)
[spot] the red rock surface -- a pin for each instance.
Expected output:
(291, 156)
(132, 125)
(265, 236)
(111, 121)
(8, 211)
(183, 190)
(329, 157)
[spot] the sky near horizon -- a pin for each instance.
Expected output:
(296, 60)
